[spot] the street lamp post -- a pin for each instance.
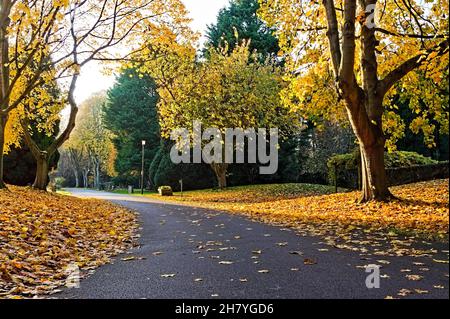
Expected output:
(142, 168)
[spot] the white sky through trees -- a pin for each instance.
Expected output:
(203, 13)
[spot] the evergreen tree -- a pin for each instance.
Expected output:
(240, 20)
(163, 172)
(131, 114)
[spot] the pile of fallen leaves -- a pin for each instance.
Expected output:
(257, 193)
(42, 234)
(420, 208)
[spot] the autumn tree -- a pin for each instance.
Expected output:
(91, 141)
(40, 116)
(353, 56)
(41, 41)
(225, 91)
(74, 159)
(20, 164)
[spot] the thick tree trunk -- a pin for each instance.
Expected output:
(371, 139)
(41, 180)
(373, 174)
(221, 174)
(2, 143)
(85, 179)
(97, 174)
(77, 178)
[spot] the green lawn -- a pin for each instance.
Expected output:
(137, 192)
(63, 192)
(253, 193)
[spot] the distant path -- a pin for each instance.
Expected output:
(189, 244)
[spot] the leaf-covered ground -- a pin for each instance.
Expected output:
(421, 208)
(41, 234)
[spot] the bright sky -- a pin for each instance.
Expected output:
(203, 12)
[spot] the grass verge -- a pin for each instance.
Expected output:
(421, 208)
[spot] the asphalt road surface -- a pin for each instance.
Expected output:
(189, 253)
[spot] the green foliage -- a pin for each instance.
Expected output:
(394, 159)
(240, 20)
(317, 144)
(131, 115)
(155, 164)
(164, 172)
(404, 159)
(415, 141)
(288, 167)
(59, 182)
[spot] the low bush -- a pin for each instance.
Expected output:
(349, 162)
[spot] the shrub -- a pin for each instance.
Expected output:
(195, 176)
(348, 162)
(59, 182)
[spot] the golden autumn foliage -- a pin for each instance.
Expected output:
(41, 234)
(303, 205)
(359, 58)
(302, 28)
(46, 42)
(223, 91)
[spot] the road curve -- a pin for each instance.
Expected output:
(187, 252)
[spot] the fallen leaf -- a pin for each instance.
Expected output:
(414, 277)
(309, 261)
(404, 292)
(128, 258)
(421, 292)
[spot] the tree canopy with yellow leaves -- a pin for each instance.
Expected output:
(48, 40)
(350, 58)
(227, 90)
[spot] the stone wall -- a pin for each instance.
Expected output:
(398, 176)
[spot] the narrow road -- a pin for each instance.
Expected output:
(189, 252)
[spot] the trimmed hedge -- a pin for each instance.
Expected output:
(400, 161)
(165, 173)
